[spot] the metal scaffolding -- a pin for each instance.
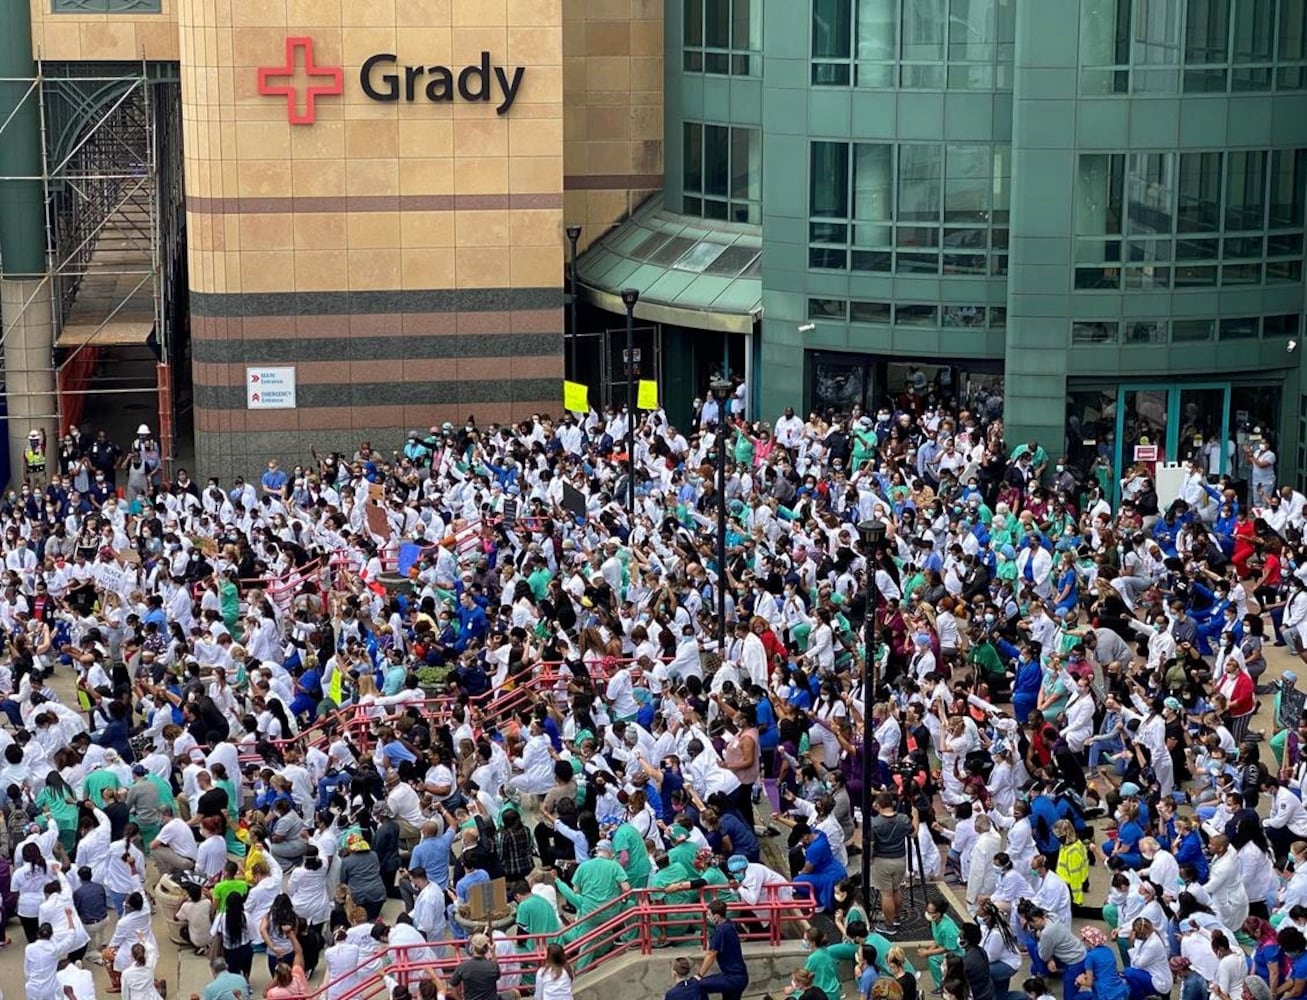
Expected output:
(111, 172)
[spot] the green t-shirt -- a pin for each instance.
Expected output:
(224, 889)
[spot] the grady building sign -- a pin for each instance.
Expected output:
(383, 78)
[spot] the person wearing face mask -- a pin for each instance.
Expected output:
(945, 937)
(1224, 884)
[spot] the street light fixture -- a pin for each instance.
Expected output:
(630, 296)
(573, 234)
(722, 389)
(872, 534)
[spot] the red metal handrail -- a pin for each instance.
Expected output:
(632, 925)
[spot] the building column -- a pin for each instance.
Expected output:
(25, 303)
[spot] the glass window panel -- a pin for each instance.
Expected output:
(1190, 330)
(692, 158)
(873, 182)
(1145, 332)
(831, 23)
(966, 239)
(965, 263)
(1207, 32)
(906, 315)
(872, 260)
(1196, 249)
(1241, 274)
(919, 183)
(1250, 78)
(1242, 247)
(1191, 276)
(873, 235)
(1099, 187)
(716, 209)
(1243, 328)
(971, 30)
(971, 76)
(964, 316)
(873, 75)
(746, 164)
(870, 312)
(1291, 78)
(1150, 192)
(1280, 326)
(923, 22)
(1205, 81)
(831, 75)
(1157, 43)
(1002, 176)
(693, 22)
(1254, 31)
(717, 24)
(828, 232)
(1148, 251)
(827, 258)
(1148, 277)
(1105, 32)
(1281, 272)
(692, 206)
(918, 77)
(998, 239)
(1089, 279)
(746, 25)
(716, 160)
(1089, 332)
(998, 264)
(914, 237)
(877, 31)
(916, 263)
(1199, 203)
(1292, 43)
(967, 182)
(829, 181)
(1284, 243)
(997, 316)
(694, 61)
(826, 308)
(1288, 184)
(717, 62)
(1245, 189)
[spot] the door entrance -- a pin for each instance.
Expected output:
(1158, 424)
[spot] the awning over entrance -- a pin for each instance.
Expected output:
(688, 274)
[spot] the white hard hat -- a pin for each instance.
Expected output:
(143, 429)
(33, 433)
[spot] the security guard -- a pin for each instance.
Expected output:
(34, 455)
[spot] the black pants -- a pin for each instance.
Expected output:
(742, 799)
(30, 926)
(240, 960)
(372, 908)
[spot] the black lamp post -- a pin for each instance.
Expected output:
(630, 296)
(872, 534)
(721, 390)
(573, 234)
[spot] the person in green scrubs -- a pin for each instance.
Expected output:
(97, 782)
(537, 920)
(595, 884)
(631, 853)
(946, 937)
(824, 960)
(58, 801)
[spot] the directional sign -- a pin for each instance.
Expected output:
(270, 388)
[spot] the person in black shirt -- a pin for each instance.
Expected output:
(975, 963)
(724, 949)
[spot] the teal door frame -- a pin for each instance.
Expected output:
(1171, 446)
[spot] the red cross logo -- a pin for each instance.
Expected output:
(330, 82)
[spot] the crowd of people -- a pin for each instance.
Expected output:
(496, 653)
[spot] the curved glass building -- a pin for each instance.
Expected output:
(1093, 208)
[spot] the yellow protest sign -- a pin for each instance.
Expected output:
(648, 395)
(576, 397)
(334, 688)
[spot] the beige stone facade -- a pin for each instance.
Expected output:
(407, 256)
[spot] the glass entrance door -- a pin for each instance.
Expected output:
(1182, 422)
